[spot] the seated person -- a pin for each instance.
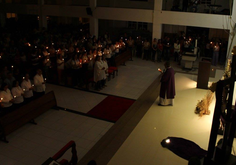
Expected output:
(6, 97)
(17, 93)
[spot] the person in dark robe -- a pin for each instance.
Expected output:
(167, 91)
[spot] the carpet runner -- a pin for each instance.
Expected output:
(111, 108)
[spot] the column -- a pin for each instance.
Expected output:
(232, 37)
(157, 27)
(42, 17)
(2, 19)
(93, 19)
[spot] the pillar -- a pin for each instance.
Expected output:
(2, 19)
(93, 19)
(42, 17)
(232, 36)
(157, 27)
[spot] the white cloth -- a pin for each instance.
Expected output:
(17, 94)
(26, 85)
(105, 65)
(165, 101)
(176, 47)
(60, 64)
(38, 83)
(6, 97)
(98, 72)
(108, 52)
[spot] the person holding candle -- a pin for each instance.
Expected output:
(6, 98)
(46, 66)
(104, 72)
(98, 72)
(39, 84)
(90, 60)
(17, 93)
(27, 88)
(176, 50)
(154, 49)
(76, 65)
(167, 90)
(159, 50)
(215, 56)
(60, 68)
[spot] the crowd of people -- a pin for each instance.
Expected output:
(70, 56)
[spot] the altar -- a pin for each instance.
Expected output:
(188, 59)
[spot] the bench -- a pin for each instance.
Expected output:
(26, 113)
(120, 59)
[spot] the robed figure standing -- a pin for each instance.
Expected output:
(167, 91)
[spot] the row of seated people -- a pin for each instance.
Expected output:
(14, 93)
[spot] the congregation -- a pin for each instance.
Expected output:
(70, 56)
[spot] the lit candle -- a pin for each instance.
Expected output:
(39, 56)
(35, 47)
(84, 61)
(210, 42)
(32, 85)
(48, 59)
(0, 57)
(12, 66)
(14, 97)
(52, 43)
(63, 59)
(90, 58)
(77, 51)
(23, 78)
(46, 47)
(1, 99)
(29, 44)
(23, 89)
(48, 53)
(45, 79)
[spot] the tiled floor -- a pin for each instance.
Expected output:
(33, 144)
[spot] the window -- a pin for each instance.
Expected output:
(205, 2)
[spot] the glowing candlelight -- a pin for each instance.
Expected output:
(23, 89)
(48, 59)
(23, 78)
(63, 59)
(32, 85)
(167, 140)
(14, 97)
(1, 99)
(80, 63)
(35, 47)
(77, 51)
(39, 56)
(48, 53)
(84, 61)
(210, 42)
(0, 57)
(52, 43)
(90, 58)
(46, 47)
(45, 79)
(67, 50)
(12, 66)
(29, 44)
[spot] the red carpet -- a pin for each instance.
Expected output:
(111, 108)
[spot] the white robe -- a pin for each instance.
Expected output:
(38, 82)
(17, 94)
(98, 72)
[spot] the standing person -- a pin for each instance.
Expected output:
(146, 47)
(131, 46)
(17, 93)
(176, 50)
(105, 72)
(167, 91)
(139, 46)
(27, 88)
(154, 49)
(98, 72)
(159, 50)
(60, 68)
(215, 56)
(39, 83)
(166, 48)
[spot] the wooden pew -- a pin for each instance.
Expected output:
(26, 113)
(120, 59)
